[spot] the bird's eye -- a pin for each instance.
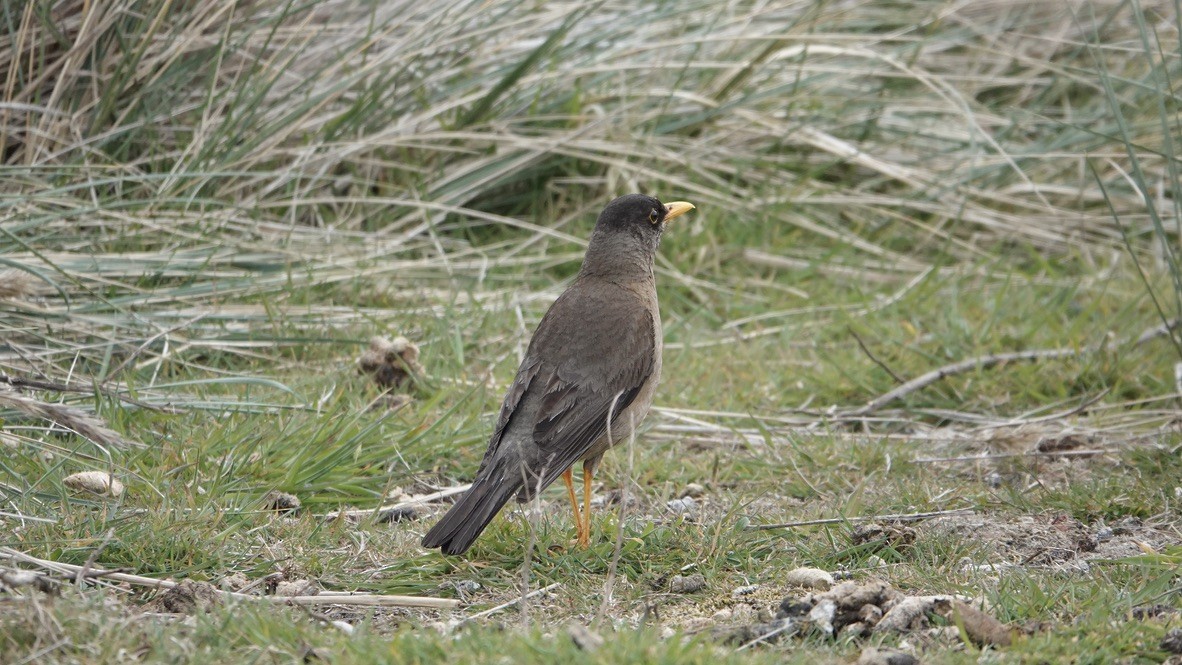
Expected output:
(654, 216)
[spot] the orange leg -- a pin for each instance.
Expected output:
(568, 478)
(585, 531)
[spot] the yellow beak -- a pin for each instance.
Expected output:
(677, 209)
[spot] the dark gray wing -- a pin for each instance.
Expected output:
(521, 383)
(592, 353)
(602, 366)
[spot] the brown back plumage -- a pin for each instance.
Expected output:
(593, 353)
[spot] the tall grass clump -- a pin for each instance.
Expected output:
(208, 173)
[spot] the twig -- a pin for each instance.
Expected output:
(84, 572)
(511, 603)
(359, 600)
(872, 357)
(1158, 331)
(34, 384)
(401, 505)
(1079, 408)
(324, 598)
(899, 517)
(935, 375)
(17, 516)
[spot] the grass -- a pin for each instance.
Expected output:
(207, 210)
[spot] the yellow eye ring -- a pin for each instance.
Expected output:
(654, 216)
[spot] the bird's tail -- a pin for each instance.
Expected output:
(455, 532)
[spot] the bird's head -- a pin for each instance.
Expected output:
(630, 228)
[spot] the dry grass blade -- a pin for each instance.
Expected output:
(328, 598)
(893, 517)
(68, 417)
(417, 502)
(980, 362)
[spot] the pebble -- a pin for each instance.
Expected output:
(683, 506)
(809, 578)
(687, 583)
(235, 581)
(1172, 642)
(281, 502)
(584, 638)
(404, 514)
(95, 482)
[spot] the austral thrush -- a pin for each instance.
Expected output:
(586, 382)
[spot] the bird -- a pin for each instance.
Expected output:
(586, 380)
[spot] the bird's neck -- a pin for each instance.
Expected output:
(618, 260)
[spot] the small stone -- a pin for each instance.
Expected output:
(870, 614)
(822, 615)
(404, 514)
(466, 587)
(392, 363)
(693, 491)
(1172, 642)
(667, 632)
(809, 578)
(993, 479)
(745, 590)
(15, 578)
(281, 502)
(187, 597)
(94, 482)
(1104, 533)
(882, 536)
(981, 628)
(907, 615)
(683, 506)
(343, 626)
(1126, 525)
(583, 637)
(852, 596)
(791, 608)
(722, 615)
(235, 581)
(1142, 612)
(687, 583)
